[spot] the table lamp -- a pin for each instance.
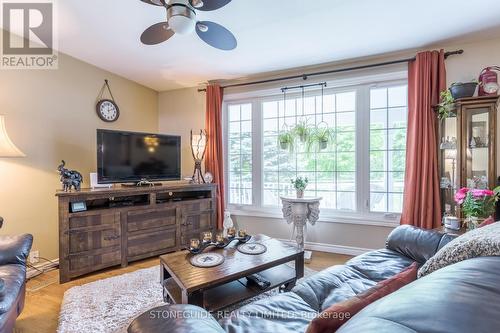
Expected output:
(198, 148)
(7, 147)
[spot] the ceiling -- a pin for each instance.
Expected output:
(272, 35)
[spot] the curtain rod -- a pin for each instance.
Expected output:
(340, 70)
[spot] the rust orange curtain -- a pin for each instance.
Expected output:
(426, 79)
(214, 159)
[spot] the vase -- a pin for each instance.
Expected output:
(472, 222)
(300, 194)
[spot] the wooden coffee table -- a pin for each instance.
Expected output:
(218, 287)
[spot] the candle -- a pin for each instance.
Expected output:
(231, 232)
(207, 236)
(220, 238)
(195, 244)
(242, 233)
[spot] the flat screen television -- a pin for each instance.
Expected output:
(126, 157)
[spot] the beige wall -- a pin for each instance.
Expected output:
(179, 112)
(50, 116)
(183, 109)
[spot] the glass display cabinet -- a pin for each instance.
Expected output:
(467, 148)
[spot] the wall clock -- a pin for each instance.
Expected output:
(107, 109)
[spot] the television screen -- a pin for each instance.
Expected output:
(130, 157)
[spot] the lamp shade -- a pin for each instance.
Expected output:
(7, 147)
(198, 144)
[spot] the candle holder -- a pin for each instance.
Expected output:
(195, 246)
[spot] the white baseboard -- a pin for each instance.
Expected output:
(331, 248)
(44, 267)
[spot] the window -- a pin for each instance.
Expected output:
(240, 154)
(388, 118)
(331, 172)
(360, 173)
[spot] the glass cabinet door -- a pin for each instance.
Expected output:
(449, 161)
(477, 141)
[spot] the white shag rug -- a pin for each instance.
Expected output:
(110, 305)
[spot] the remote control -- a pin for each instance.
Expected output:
(258, 280)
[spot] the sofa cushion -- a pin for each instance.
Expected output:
(460, 298)
(412, 242)
(336, 315)
(14, 277)
(483, 241)
(341, 282)
(280, 313)
(15, 249)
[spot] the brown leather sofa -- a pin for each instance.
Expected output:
(14, 251)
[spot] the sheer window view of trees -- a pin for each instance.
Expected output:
(332, 171)
(388, 118)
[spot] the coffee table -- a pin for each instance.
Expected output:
(218, 287)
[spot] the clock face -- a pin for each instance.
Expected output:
(107, 110)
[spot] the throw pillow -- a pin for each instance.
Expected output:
(338, 314)
(488, 221)
(479, 242)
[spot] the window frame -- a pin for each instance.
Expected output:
(362, 215)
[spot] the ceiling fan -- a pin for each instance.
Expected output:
(181, 19)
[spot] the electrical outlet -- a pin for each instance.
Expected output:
(34, 257)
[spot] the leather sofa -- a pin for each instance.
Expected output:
(459, 298)
(14, 251)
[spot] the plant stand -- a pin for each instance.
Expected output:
(298, 212)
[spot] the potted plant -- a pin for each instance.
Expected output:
(447, 105)
(300, 184)
(286, 140)
(320, 138)
(463, 90)
(302, 130)
(477, 205)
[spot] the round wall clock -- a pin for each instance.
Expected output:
(107, 110)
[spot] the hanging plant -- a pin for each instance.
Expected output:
(286, 141)
(320, 139)
(302, 130)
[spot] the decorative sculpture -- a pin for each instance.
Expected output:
(299, 211)
(69, 178)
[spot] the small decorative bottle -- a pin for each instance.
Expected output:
(228, 222)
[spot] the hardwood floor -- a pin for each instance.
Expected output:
(45, 294)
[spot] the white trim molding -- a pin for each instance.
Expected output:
(330, 248)
(376, 220)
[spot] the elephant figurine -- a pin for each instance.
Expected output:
(69, 178)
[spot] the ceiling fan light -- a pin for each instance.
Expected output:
(181, 19)
(181, 24)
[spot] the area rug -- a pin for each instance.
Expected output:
(110, 305)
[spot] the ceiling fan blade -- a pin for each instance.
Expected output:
(157, 33)
(208, 5)
(155, 2)
(216, 35)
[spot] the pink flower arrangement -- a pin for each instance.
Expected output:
(482, 193)
(460, 195)
(476, 202)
